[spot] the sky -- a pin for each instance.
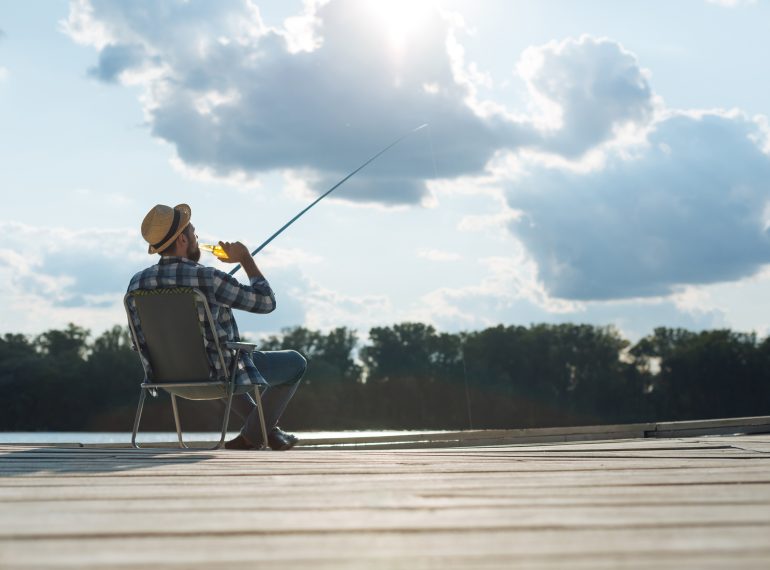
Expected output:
(597, 162)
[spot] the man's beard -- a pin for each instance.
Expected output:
(193, 254)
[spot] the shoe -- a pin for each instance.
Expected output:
(238, 443)
(279, 440)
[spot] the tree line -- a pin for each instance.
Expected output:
(411, 376)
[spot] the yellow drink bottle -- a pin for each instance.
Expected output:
(215, 249)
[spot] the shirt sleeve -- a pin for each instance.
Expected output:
(257, 297)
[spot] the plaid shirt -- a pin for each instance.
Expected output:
(223, 293)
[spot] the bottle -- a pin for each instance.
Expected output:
(215, 249)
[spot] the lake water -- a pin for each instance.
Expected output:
(149, 437)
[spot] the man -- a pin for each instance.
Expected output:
(170, 234)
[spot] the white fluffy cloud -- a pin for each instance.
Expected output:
(52, 276)
(689, 207)
(509, 292)
(588, 91)
(671, 198)
(612, 195)
(68, 268)
(235, 96)
(437, 255)
(731, 3)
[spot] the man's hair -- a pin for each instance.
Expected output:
(185, 231)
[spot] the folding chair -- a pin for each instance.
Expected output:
(173, 334)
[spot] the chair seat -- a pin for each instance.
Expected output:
(204, 392)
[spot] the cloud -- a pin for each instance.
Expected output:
(437, 255)
(290, 286)
(509, 292)
(613, 195)
(741, 303)
(732, 3)
(52, 276)
(115, 59)
(669, 198)
(66, 268)
(234, 96)
(586, 90)
(689, 207)
(630, 199)
(303, 301)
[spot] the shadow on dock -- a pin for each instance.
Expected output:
(69, 460)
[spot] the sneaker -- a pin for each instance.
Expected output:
(279, 440)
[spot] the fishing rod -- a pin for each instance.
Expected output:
(329, 191)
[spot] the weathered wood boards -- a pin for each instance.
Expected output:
(721, 426)
(663, 503)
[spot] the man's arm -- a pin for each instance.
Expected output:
(239, 253)
(258, 298)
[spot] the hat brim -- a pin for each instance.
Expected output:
(184, 220)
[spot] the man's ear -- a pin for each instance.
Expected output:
(178, 245)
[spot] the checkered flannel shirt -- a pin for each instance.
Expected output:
(223, 293)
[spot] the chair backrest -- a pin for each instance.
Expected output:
(168, 319)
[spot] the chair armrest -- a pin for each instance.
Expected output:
(242, 346)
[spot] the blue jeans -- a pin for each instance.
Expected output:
(282, 369)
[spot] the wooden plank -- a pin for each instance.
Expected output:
(718, 422)
(688, 548)
(373, 519)
(168, 500)
(726, 426)
(500, 435)
(754, 444)
(752, 424)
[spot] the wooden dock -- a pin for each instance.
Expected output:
(687, 502)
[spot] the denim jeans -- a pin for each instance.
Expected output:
(282, 369)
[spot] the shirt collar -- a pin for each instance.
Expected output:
(167, 259)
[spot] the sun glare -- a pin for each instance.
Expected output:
(401, 20)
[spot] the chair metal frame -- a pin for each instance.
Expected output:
(228, 384)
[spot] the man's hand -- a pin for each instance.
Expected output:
(236, 252)
(239, 253)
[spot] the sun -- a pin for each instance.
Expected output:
(400, 19)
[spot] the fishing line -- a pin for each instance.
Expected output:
(468, 405)
(432, 152)
(329, 191)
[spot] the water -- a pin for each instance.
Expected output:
(154, 437)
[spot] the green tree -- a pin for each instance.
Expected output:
(114, 374)
(331, 395)
(70, 342)
(718, 373)
(414, 377)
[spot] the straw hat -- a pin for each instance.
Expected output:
(163, 224)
